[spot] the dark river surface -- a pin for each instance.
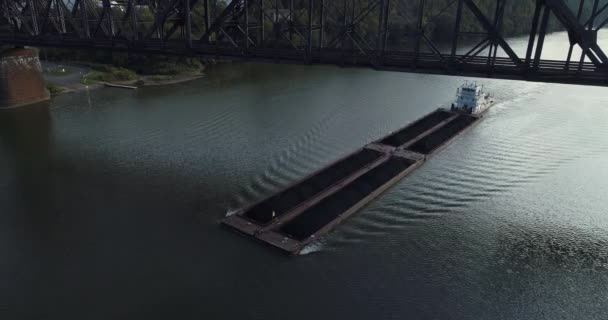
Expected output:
(110, 202)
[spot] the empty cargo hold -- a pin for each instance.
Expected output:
(282, 202)
(321, 214)
(415, 129)
(438, 138)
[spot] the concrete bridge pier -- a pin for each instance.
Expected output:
(21, 81)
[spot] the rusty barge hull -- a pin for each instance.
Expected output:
(311, 207)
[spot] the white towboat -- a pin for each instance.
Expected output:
(471, 99)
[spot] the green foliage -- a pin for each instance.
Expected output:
(439, 21)
(160, 78)
(54, 89)
(104, 73)
(159, 65)
(86, 81)
(141, 64)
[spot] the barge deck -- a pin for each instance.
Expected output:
(311, 207)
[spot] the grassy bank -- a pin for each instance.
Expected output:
(55, 89)
(104, 73)
(132, 68)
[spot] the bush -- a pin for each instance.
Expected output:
(106, 73)
(159, 65)
(159, 78)
(122, 74)
(108, 62)
(54, 89)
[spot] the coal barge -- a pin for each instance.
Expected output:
(311, 207)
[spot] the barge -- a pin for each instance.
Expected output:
(302, 212)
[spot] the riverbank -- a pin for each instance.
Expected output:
(71, 77)
(160, 80)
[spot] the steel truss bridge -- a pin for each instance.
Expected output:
(382, 34)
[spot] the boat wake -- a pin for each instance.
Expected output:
(316, 246)
(231, 212)
(302, 156)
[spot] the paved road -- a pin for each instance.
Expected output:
(70, 78)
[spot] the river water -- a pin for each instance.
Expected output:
(110, 202)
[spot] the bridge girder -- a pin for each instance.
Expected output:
(343, 32)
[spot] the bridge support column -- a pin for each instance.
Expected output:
(21, 81)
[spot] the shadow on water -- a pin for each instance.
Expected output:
(73, 223)
(26, 224)
(26, 135)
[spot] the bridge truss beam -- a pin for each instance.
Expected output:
(382, 34)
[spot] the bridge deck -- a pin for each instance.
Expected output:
(555, 71)
(381, 34)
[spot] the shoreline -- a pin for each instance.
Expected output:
(155, 81)
(69, 85)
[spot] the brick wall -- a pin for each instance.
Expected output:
(21, 80)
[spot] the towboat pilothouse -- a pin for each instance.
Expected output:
(471, 99)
